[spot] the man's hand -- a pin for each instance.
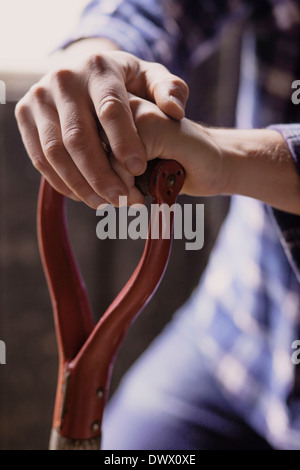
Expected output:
(62, 117)
(189, 143)
(255, 163)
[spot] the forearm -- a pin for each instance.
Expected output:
(259, 164)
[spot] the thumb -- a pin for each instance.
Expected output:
(168, 91)
(171, 96)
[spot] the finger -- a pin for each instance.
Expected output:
(168, 91)
(109, 95)
(134, 195)
(30, 138)
(50, 138)
(150, 122)
(81, 140)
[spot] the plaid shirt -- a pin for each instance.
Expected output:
(248, 303)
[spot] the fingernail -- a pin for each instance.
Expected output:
(95, 200)
(134, 165)
(113, 196)
(177, 101)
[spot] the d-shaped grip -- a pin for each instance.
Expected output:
(86, 350)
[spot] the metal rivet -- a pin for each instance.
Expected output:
(171, 180)
(95, 426)
(100, 393)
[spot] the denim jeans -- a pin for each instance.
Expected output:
(170, 401)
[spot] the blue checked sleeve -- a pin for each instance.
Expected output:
(166, 31)
(289, 224)
(141, 27)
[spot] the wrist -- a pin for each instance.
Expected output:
(258, 164)
(199, 152)
(243, 151)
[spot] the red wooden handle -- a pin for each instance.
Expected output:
(86, 350)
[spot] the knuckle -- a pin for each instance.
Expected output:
(61, 78)
(21, 111)
(96, 63)
(38, 93)
(157, 67)
(75, 138)
(109, 107)
(52, 148)
(39, 162)
(159, 71)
